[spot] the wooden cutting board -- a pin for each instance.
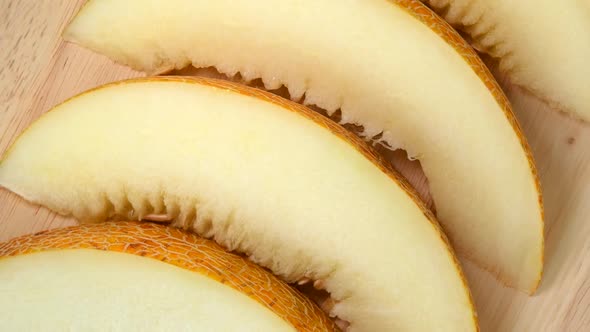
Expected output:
(38, 70)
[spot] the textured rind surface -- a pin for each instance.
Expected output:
(185, 250)
(452, 37)
(348, 137)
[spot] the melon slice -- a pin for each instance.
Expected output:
(393, 67)
(272, 179)
(142, 277)
(541, 45)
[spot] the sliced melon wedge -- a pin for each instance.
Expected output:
(393, 67)
(272, 179)
(541, 45)
(142, 277)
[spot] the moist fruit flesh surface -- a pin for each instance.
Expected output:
(142, 277)
(274, 180)
(542, 45)
(393, 67)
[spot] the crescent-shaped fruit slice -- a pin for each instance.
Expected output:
(129, 276)
(267, 177)
(542, 45)
(393, 67)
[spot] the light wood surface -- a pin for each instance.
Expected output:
(38, 69)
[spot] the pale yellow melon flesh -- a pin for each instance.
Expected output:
(542, 45)
(90, 290)
(294, 191)
(142, 277)
(393, 67)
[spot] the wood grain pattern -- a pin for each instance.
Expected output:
(39, 70)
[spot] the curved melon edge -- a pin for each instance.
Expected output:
(444, 30)
(356, 142)
(184, 250)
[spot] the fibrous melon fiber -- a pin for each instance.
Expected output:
(393, 67)
(272, 179)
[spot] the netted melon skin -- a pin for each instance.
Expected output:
(187, 251)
